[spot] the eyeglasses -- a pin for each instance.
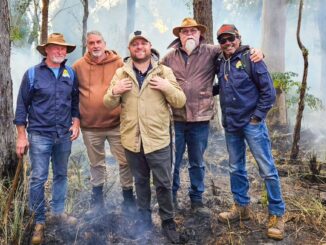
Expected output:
(224, 39)
(188, 31)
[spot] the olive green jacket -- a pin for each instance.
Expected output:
(145, 113)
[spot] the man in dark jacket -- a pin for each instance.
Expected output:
(47, 105)
(245, 99)
(194, 65)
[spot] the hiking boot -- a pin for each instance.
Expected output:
(143, 223)
(275, 227)
(169, 230)
(97, 203)
(199, 209)
(129, 202)
(235, 213)
(63, 218)
(38, 234)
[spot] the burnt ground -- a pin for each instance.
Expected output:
(305, 217)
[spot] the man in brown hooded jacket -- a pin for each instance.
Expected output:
(98, 124)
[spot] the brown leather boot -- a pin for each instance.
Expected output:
(38, 234)
(275, 228)
(63, 218)
(235, 213)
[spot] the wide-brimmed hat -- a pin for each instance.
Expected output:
(136, 35)
(58, 39)
(189, 22)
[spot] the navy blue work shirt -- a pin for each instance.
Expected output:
(141, 76)
(50, 105)
(242, 95)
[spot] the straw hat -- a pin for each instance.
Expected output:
(189, 22)
(58, 39)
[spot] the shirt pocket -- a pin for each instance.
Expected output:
(240, 79)
(66, 88)
(41, 88)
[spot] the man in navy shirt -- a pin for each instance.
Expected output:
(246, 95)
(47, 106)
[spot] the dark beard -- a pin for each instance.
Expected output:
(140, 61)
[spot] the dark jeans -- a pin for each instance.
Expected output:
(42, 149)
(194, 135)
(159, 162)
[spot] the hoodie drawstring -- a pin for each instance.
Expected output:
(227, 72)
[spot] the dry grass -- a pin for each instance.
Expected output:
(13, 231)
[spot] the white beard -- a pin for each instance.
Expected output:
(57, 60)
(97, 53)
(190, 45)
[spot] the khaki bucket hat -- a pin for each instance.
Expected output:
(189, 22)
(58, 39)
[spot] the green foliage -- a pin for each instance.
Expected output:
(16, 34)
(20, 21)
(285, 81)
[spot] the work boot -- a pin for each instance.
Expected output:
(38, 234)
(275, 227)
(199, 209)
(129, 202)
(97, 203)
(235, 213)
(144, 220)
(62, 218)
(169, 230)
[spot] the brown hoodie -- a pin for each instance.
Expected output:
(94, 80)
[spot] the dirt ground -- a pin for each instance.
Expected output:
(305, 217)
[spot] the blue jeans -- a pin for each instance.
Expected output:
(256, 135)
(194, 135)
(42, 148)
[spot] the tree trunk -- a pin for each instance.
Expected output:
(321, 16)
(131, 12)
(45, 19)
(203, 14)
(34, 34)
(7, 131)
(85, 17)
(297, 128)
(273, 46)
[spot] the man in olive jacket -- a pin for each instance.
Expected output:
(146, 89)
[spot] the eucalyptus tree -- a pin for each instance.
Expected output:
(45, 20)
(203, 14)
(321, 20)
(131, 13)
(273, 46)
(85, 17)
(7, 131)
(297, 127)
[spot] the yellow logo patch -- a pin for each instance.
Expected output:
(65, 73)
(239, 65)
